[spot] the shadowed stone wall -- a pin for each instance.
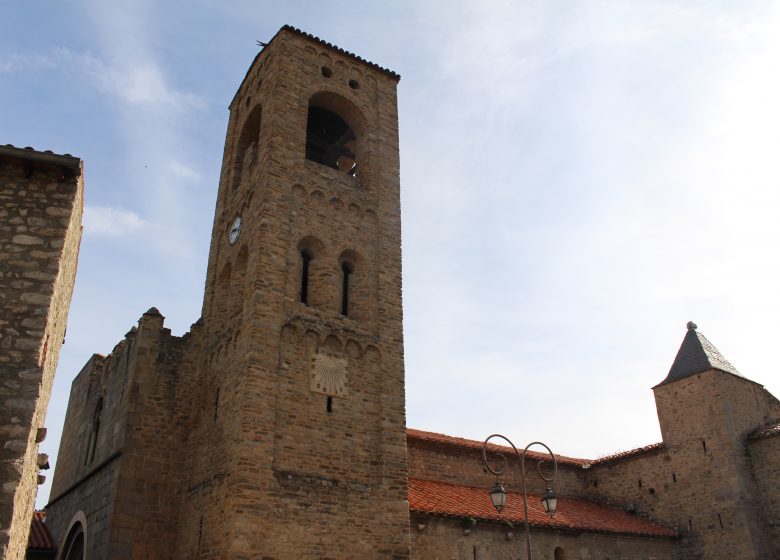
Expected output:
(41, 202)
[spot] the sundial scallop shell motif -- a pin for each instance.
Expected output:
(329, 373)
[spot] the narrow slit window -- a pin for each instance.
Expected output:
(305, 261)
(329, 404)
(346, 272)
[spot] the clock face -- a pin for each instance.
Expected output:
(235, 230)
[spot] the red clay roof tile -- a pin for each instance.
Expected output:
(434, 497)
(40, 538)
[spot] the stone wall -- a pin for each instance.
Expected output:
(41, 203)
(121, 453)
(765, 455)
(299, 471)
(441, 538)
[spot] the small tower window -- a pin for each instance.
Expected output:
(330, 141)
(346, 271)
(306, 258)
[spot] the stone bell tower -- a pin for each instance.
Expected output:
(302, 393)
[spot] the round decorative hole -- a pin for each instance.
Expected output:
(327, 72)
(353, 84)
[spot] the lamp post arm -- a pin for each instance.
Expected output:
(499, 470)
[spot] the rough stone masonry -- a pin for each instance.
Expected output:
(41, 201)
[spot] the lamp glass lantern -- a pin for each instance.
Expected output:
(498, 496)
(549, 502)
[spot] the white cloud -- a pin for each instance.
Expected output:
(107, 220)
(135, 81)
(17, 62)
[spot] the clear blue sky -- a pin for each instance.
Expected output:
(579, 179)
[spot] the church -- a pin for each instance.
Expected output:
(275, 428)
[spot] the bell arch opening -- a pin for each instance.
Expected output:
(334, 128)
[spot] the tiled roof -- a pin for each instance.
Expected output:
(46, 156)
(40, 539)
(441, 498)
(420, 436)
(766, 431)
(697, 354)
(627, 454)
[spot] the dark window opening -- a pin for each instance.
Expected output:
(558, 554)
(354, 84)
(720, 520)
(474, 550)
(216, 405)
(346, 272)
(329, 404)
(690, 525)
(652, 491)
(704, 445)
(327, 72)
(305, 260)
(330, 141)
(640, 482)
(674, 477)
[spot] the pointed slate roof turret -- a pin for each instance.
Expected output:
(697, 354)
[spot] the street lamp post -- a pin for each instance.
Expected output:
(498, 493)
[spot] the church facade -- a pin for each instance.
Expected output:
(275, 428)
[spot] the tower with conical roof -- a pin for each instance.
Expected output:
(706, 411)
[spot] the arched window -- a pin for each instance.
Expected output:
(93, 437)
(306, 258)
(559, 554)
(246, 147)
(347, 268)
(330, 140)
(73, 549)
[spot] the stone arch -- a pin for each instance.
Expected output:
(74, 545)
(353, 348)
(336, 132)
(246, 147)
(332, 342)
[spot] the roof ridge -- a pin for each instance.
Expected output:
(456, 441)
